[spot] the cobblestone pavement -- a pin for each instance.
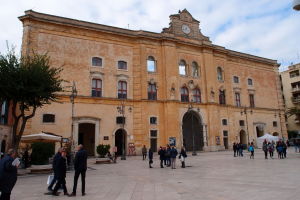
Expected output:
(208, 176)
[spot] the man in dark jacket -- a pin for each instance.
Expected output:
(80, 165)
(150, 156)
(174, 153)
(61, 170)
(161, 154)
(8, 174)
(55, 159)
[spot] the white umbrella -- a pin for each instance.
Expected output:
(40, 137)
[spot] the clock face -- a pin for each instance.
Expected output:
(186, 29)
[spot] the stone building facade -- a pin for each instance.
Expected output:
(291, 92)
(139, 88)
(6, 123)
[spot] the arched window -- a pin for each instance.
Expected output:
(197, 95)
(220, 74)
(151, 67)
(96, 61)
(182, 68)
(122, 89)
(222, 99)
(96, 88)
(184, 94)
(152, 92)
(122, 65)
(195, 69)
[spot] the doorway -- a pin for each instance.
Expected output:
(192, 131)
(243, 137)
(120, 141)
(86, 137)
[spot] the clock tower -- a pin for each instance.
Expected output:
(183, 24)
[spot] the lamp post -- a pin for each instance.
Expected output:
(190, 108)
(121, 110)
(72, 99)
(245, 111)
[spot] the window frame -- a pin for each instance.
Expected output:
(236, 79)
(124, 62)
(152, 91)
(220, 74)
(151, 58)
(49, 122)
(122, 93)
(185, 67)
(196, 96)
(251, 80)
(224, 120)
(97, 89)
(101, 61)
(195, 65)
(251, 101)
(222, 97)
(184, 94)
(237, 97)
(153, 117)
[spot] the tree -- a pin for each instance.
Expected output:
(27, 83)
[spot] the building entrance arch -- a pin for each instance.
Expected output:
(192, 131)
(121, 141)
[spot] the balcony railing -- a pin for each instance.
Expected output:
(296, 89)
(295, 99)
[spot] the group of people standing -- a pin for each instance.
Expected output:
(167, 156)
(60, 170)
(238, 149)
(269, 147)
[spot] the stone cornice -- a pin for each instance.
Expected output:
(162, 37)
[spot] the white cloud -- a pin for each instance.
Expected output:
(268, 28)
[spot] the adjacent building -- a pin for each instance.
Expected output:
(6, 122)
(139, 88)
(291, 92)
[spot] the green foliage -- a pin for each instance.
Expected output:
(28, 82)
(103, 149)
(41, 152)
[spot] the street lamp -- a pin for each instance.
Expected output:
(121, 110)
(72, 99)
(190, 108)
(245, 111)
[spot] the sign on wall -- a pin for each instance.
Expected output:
(172, 141)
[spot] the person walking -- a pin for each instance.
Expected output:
(241, 149)
(271, 149)
(161, 153)
(279, 148)
(8, 174)
(173, 155)
(150, 157)
(144, 152)
(54, 163)
(168, 156)
(61, 174)
(284, 149)
(238, 149)
(80, 165)
(265, 148)
(182, 157)
(234, 149)
(251, 149)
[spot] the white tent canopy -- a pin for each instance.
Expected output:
(40, 137)
(267, 137)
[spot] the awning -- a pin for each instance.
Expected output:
(40, 137)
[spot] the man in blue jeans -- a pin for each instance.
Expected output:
(174, 153)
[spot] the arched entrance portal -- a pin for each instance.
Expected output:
(259, 130)
(243, 137)
(192, 131)
(120, 141)
(86, 137)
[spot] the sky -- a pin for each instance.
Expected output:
(265, 28)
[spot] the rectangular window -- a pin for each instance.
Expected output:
(222, 99)
(250, 82)
(96, 61)
(120, 120)
(251, 100)
(242, 123)
(224, 122)
(96, 88)
(122, 65)
(237, 99)
(294, 73)
(153, 133)
(236, 79)
(274, 124)
(225, 133)
(48, 118)
(122, 90)
(152, 92)
(153, 120)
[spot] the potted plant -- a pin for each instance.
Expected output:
(103, 149)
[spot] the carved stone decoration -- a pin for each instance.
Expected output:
(191, 84)
(212, 95)
(151, 81)
(172, 91)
